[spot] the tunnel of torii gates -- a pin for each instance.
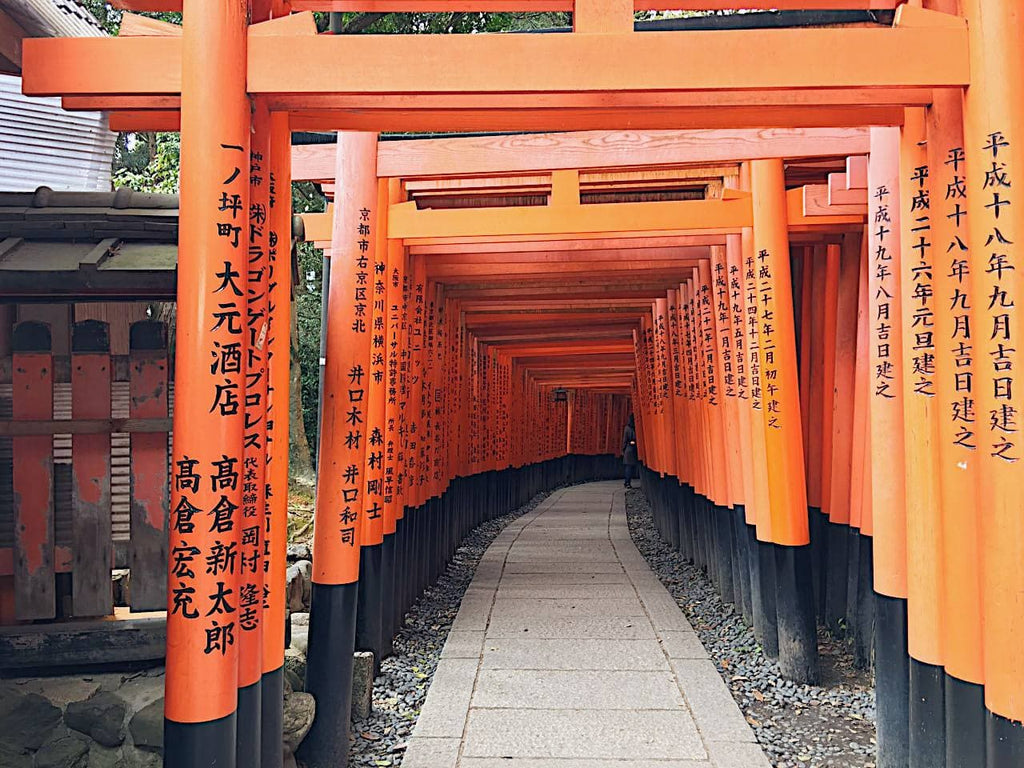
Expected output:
(821, 366)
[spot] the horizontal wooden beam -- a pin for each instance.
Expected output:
(21, 428)
(728, 60)
(406, 221)
(583, 150)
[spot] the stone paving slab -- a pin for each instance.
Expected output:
(614, 628)
(582, 733)
(567, 591)
(571, 689)
(555, 608)
(554, 566)
(568, 652)
(573, 653)
(534, 579)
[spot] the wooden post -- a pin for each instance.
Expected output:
(35, 594)
(841, 543)
(254, 454)
(955, 371)
(394, 322)
(370, 610)
(279, 287)
(994, 140)
(207, 465)
(340, 499)
(150, 490)
(885, 411)
(92, 547)
(920, 429)
(798, 653)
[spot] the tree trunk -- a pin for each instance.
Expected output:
(301, 466)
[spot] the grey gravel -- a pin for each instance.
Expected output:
(831, 725)
(401, 688)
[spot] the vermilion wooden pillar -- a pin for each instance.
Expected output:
(341, 502)
(369, 613)
(762, 561)
(993, 142)
(254, 454)
(203, 626)
(956, 464)
(920, 429)
(888, 481)
(275, 542)
(395, 285)
(798, 652)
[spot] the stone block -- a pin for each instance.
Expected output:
(362, 685)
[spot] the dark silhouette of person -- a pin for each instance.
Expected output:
(629, 455)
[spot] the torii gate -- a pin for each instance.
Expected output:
(603, 75)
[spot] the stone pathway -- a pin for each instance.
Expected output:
(567, 652)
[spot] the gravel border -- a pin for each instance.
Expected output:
(799, 726)
(401, 688)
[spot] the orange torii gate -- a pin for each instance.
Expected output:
(933, 669)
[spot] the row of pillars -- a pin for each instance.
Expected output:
(425, 432)
(824, 423)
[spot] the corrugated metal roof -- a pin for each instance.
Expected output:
(41, 144)
(52, 18)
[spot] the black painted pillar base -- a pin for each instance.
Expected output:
(200, 745)
(1005, 742)
(741, 562)
(272, 707)
(852, 586)
(892, 682)
(368, 611)
(927, 715)
(835, 571)
(249, 717)
(766, 577)
(723, 541)
(965, 723)
(794, 605)
(332, 642)
(388, 597)
(865, 639)
(819, 556)
(757, 619)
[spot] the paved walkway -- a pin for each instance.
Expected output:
(568, 652)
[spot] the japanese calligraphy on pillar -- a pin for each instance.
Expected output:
(393, 454)
(767, 342)
(375, 399)
(205, 519)
(355, 394)
(735, 306)
(961, 406)
(1000, 303)
(920, 292)
(753, 335)
(884, 284)
(707, 333)
(722, 310)
(251, 556)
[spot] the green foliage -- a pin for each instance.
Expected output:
(110, 17)
(147, 162)
(308, 296)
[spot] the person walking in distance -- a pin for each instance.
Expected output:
(629, 457)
